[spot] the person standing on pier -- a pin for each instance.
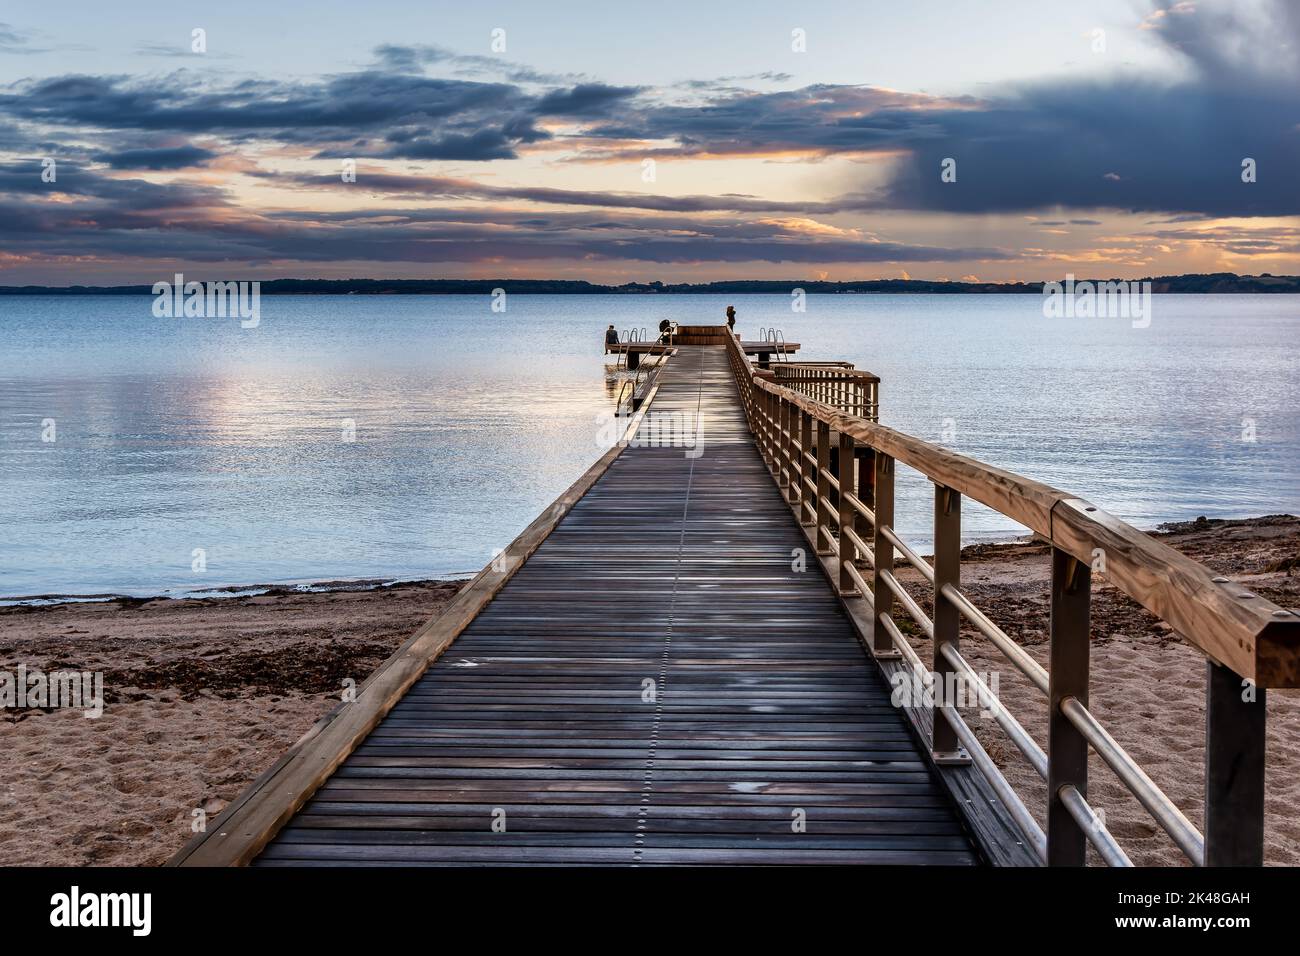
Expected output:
(731, 319)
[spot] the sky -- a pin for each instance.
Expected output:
(667, 141)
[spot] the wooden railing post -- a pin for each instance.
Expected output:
(882, 643)
(807, 505)
(847, 514)
(866, 490)
(1234, 769)
(945, 747)
(822, 514)
(782, 424)
(791, 437)
(1067, 749)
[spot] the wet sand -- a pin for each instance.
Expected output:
(203, 695)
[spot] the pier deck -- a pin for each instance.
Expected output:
(688, 658)
(764, 717)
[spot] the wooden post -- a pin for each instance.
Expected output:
(945, 748)
(835, 473)
(807, 506)
(866, 487)
(765, 414)
(847, 512)
(882, 644)
(822, 514)
(1234, 769)
(782, 448)
(1067, 749)
(792, 435)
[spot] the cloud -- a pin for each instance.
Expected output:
(441, 187)
(585, 99)
(14, 40)
(136, 218)
(173, 157)
(1126, 142)
(1172, 148)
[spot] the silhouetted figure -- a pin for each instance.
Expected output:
(731, 319)
(611, 336)
(665, 330)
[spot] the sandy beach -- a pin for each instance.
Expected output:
(203, 695)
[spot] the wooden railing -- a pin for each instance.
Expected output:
(836, 384)
(846, 503)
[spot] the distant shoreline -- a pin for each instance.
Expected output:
(1215, 283)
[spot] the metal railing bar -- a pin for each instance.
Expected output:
(856, 503)
(1019, 736)
(858, 543)
(1166, 813)
(908, 602)
(904, 648)
(828, 530)
(1019, 812)
(865, 588)
(1035, 671)
(912, 557)
(1092, 827)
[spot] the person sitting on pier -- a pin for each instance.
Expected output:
(611, 336)
(731, 318)
(665, 331)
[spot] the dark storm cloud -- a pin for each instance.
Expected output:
(1130, 146)
(817, 118)
(23, 178)
(583, 100)
(336, 109)
(173, 157)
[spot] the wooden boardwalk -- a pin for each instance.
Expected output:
(655, 685)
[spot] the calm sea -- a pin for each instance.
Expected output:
(194, 443)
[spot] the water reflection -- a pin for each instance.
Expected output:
(173, 436)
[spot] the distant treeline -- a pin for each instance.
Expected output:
(1214, 282)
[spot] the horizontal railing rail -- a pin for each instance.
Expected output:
(836, 468)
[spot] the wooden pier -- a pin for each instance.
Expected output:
(686, 660)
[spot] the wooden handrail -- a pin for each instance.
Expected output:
(1246, 639)
(1248, 633)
